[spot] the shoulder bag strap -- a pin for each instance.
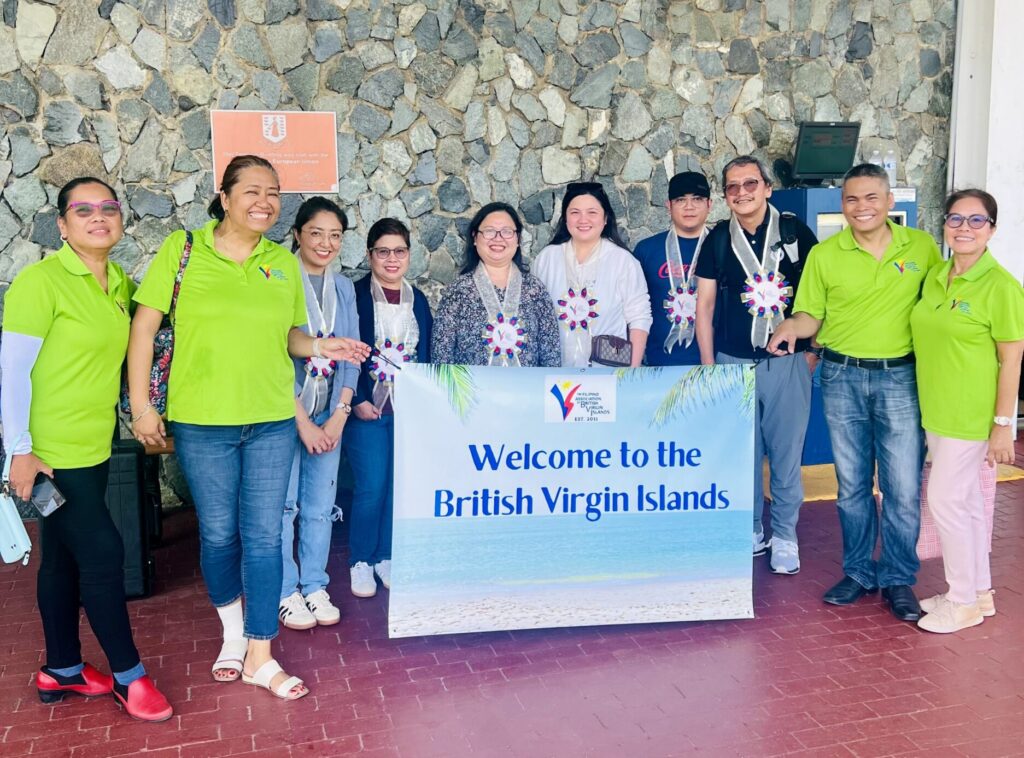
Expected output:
(186, 253)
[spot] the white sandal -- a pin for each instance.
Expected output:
(230, 658)
(266, 673)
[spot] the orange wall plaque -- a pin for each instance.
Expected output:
(302, 145)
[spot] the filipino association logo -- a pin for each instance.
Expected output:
(903, 266)
(275, 273)
(274, 127)
(960, 305)
(564, 394)
(580, 399)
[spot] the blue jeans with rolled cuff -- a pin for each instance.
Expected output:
(238, 476)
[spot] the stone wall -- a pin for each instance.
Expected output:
(444, 105)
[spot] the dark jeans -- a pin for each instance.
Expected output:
(83, 560)
(369, 446)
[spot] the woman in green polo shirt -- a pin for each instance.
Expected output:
(231, 403)
(65, 330)
(968, 333)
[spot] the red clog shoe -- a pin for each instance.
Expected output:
(143, 701)
(52, 688)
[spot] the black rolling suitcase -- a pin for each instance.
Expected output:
(126, 500)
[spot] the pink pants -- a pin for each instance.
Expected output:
(957, 505)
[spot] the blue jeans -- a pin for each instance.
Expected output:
(311, 492)
(369, 446)
(873, 417)
(238, 476)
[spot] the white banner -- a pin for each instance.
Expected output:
(532, 498)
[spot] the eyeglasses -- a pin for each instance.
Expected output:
(318, 235)
(977, 221)
(505, 234)
(689, 200)
(747, 185)
(84, 209)
(383, 253)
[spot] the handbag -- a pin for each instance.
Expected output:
(609, 350)
(14, 542)
(163, 347)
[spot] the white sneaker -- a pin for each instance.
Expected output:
(986, 603)
(785, 556)
(383, 570)
(760, 546)
(294, 614)
(323, 610)
(363, 583)
(948, 617)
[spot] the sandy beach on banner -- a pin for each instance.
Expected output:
(572, 605)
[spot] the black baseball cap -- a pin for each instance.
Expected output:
(689, 183)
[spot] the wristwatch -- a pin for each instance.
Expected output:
(1002, 421)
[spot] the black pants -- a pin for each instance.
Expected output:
(83, 561)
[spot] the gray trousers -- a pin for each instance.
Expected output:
(781, 408)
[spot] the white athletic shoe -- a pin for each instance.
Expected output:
(785, 556)
(363, 583)
(383, 570)
(323, 610)
(760, 545)
(294, 614)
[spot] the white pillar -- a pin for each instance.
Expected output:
(988, 116)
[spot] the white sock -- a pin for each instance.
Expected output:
(232, 620)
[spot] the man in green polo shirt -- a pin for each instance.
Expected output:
(856, 295)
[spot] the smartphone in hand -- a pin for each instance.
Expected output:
(45, 496)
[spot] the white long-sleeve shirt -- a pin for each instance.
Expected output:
(18, 353)
(618, 285)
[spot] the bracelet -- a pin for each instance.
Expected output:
(345, 408)
(149, 407)
(316, 348)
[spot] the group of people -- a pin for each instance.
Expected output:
(280, 363)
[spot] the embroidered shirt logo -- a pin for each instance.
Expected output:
(903, 266)
(277, 273)
(960, 305)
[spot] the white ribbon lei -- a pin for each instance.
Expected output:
(320, 315)
(681, 304)
(503, 335)
(766, 294)
(578, 306)
(395, 334)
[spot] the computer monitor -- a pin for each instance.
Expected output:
(824, 150)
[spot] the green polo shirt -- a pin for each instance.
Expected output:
(231, 363)
(956, 328)
(77, 375)
(864, 304)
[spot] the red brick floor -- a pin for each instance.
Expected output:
(802, 678)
